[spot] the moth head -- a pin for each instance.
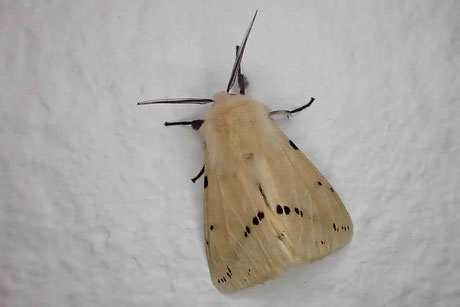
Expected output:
(220, 96)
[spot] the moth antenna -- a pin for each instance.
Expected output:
(242, 80)
(177, 101)
(237, 63)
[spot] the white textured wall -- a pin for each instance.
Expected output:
(97, 207)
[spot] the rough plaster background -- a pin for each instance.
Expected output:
(97, 207)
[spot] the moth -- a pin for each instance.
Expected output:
(266, 205)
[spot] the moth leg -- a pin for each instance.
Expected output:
(289, 112)
(242, 80)
(196, 124)
(199, 175)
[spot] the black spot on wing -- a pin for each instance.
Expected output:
(211, 227)
(205, 182)
(279, 209)
(260, 215)
(320, 183)
(297, 211)
(256, 220)
(287, 210)
(332, 190)
(293, 145)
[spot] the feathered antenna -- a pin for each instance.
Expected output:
(237, 63)
(177, 101)
(231, 82)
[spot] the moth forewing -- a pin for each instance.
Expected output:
(267, 206)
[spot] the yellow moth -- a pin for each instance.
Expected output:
(266, 205)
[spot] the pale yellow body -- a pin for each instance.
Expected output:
(253, 170)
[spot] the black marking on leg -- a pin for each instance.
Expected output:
(279, 209)
(199, 175)
(287, 210)
(293, 145)
(196, 124)
(205, 182)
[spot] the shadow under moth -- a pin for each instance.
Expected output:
(266, 205)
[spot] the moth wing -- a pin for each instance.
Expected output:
(266, 210)
(314, 218)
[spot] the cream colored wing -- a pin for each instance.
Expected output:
(268, 209)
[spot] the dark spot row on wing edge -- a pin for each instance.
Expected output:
(336, 228)
(286, 210)
(255, 221)
(320, 184)
(229, 275)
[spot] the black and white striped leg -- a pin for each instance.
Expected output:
(196, 124)
(199, 175)
(289, 112)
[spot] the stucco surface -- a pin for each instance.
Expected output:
(97, 207)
